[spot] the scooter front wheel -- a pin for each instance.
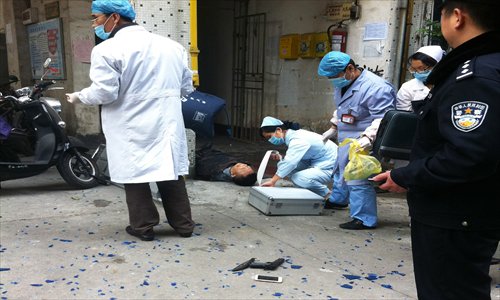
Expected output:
(76, 174)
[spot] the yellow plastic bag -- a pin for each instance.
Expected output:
(360, 165)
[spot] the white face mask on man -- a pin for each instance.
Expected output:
(99, 30)
(340, 82)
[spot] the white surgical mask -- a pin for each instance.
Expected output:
(99, 30)
(340, 82)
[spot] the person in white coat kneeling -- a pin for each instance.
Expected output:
(139, 78)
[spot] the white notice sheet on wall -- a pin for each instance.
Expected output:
(375, 31)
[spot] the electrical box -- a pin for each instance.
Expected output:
(289, 46)
(322, 45)
(355, 12)
(30, 16)
(307, 47)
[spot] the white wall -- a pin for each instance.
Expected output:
(293, 90)
(79, 34)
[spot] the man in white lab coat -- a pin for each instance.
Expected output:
(139, 78)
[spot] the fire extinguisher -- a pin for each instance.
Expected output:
(338, 38)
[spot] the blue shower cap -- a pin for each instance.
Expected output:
(333, 63)
(121, 7)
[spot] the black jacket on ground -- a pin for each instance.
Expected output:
(453, 178)
(210, 163)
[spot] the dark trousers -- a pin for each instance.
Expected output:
(452, 264)
(142, 211)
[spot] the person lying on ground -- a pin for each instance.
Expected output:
(215, 165)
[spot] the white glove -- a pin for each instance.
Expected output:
(73, 98)
(275, 155)
(364, 142)
(334, 120)
(330, 133)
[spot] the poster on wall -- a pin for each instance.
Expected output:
(46, 40)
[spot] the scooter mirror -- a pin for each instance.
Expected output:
(47, 62)
(46, 67)
(13, 78)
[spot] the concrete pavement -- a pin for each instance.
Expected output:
(58, 243)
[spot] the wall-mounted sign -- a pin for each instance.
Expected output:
(375, 31)
(46, 40)
(52, 10)
(338, 12)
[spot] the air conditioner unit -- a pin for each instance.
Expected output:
(30, 16)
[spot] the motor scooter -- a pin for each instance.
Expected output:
(5, 87)
(37, 140)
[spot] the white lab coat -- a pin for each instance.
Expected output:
(412, 90)
(139, 77)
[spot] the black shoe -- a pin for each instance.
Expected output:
(149, 236)
(355, 224)
(185, 234)
(331, 205)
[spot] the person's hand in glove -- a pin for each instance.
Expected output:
(275, 155)
(73, 98)
(330, 133)
(364, 142)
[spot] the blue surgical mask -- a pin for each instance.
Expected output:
(340, 82)
(276, 141)
(99, 30)
(422, 76)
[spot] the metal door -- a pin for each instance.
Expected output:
(248, 76)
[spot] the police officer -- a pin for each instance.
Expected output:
(362, 98)
(453, 175)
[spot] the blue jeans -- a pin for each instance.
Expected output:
(361, 198)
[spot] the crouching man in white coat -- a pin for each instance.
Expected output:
(138, 78)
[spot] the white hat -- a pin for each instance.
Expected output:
(270, 121)
(435, 52)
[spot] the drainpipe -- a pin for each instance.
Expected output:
(399, 42)
(406, 40)
(193, 49)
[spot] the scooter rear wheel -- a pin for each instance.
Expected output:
(75, 174)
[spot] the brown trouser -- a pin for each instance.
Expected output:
(143, 214)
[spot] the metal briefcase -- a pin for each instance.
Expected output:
(285, 201)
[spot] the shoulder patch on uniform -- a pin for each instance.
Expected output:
(465, 70)
(468, 115)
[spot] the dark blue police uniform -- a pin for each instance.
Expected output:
(453, 178)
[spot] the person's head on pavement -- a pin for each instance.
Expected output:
(339, 68)
(243, 174)
(107, 15)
